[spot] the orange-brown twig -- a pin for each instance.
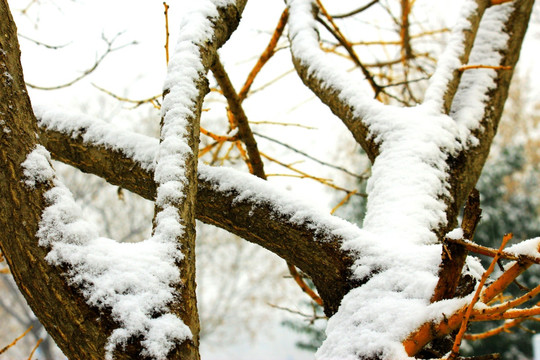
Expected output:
(487, 251)
(476, 297)
(296, 276)
(508, 304)
(166, 31)
(504, 280)
(237, 112)
(343, 201)
(509, 314)
(265, 56)
(218, 138)
(323, 181)
(503, 328)
(6, 348)
(498, 2)
(498, 67)
(244, 156)
(35, 348)
(336, 32)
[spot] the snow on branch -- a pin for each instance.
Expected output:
(262, 214)
(469, 104)
(445, 80)
(345, 96)
(132, 281)
(136, 283)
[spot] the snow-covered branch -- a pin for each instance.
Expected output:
(347, 99)
(293, 231)
(445, 80)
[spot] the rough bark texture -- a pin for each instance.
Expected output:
(465, 169)
(63, 311)
(323, 260)
(79, 330)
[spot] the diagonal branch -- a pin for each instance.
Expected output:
(126, 160)
(490, 87)
(333, 87)
(445, 80)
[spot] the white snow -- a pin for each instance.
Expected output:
(455, 234)
(131, 280)
(469, 104)
(397, 249)
(529, 247)
(140, 148)
(449, 61)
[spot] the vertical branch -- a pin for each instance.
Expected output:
(454, 255)
(237, 111)
(166, 12)
(254, 157)
(406, 50)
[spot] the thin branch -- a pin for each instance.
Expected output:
(487, 251)
(265, 56)
(34, 349)
(7, 347)
(52, 47)
(356, 11)
(110, 49)
(166, 13)
(152, 100)
(476, 297)
(360, 177)
(237, 112)
(503, 328)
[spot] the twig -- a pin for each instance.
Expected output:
(87, 72)
(354, 12)
(361, 177)
(503, 328)
(487, 251)
(4, 349)
(457, 342)
(166, 13)
(305, 288)
(342, 202)
(35, 348)
(265, 56)
(152, 100)
(237, 112)
(497, 67)
(504, 280)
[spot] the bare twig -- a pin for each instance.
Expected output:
(6, 348)
(361, 177)
(356, 11)
(457, 342)
(110, 49)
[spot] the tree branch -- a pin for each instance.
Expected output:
(334, 88)
(312, 245)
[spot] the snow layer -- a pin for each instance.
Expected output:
(397, 249)
(529, 247)
(138, 147)
(131, 280)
